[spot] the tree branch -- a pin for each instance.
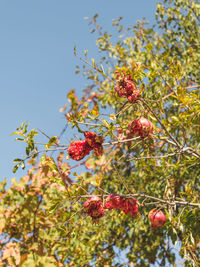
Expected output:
(158, 200)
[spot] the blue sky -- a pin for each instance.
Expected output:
(37, 63)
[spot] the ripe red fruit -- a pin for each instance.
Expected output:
(98, 149)
(127, 205)
(157, 218)
(130, 206)
(95, 142)
(79, 149)
(125, 85)
(93, 200)
(112, 202)
(129, 86)
(134, 96)
(93, 207)
(142, 127)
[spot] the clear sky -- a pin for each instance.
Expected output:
(37, 63)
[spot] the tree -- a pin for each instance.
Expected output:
(139, 122)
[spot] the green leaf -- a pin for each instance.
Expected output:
(149, 47)
(17, 160)
(18, 133)
(51, 142)
(53, 166)
(22, 125)
(43, 159)
(15, 168)
(3, 185)
(23, 165)
(19, 139)
(106, 123)
(93, 62)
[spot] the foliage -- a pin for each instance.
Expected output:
(43, 222)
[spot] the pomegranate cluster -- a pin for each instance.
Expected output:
(126, 87)
(94, 208)
(79, 149)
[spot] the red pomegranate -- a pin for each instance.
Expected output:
(125, 85)
(134, 96)
(127, 205)
(157, 218)
(93, 200)
(95, 142)
(93, 207)
(112, 202)
(79, 149)
(141, 126)
(130, 206)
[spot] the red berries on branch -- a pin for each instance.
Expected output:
(79, 149)
(141, 126)
(126, 87)
(157, 218)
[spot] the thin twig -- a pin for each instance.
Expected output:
(121, 141)
(94, 67)
(91, 124)
(168, 85)
(121, 109)
(156, 157)
(187, 150)
(192, 86)
(57, 145)
(43, 133)
(78, 164)
(121, 179)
